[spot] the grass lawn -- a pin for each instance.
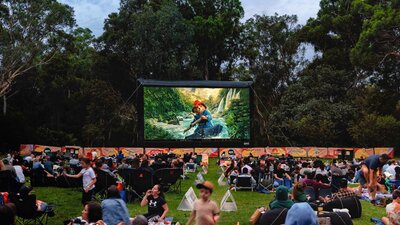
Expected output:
(68, 204)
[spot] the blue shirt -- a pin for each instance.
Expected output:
(36, 165)
(373, 162)
(204, 123)
(114, 211)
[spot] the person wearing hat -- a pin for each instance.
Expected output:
(205, 211)
(301, 214)
(282, 199)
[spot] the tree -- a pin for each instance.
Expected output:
(315, 110)
(334, 32)
(379, 40)
(271, 55)
(217, 29)
(30, 33)
(151, 43)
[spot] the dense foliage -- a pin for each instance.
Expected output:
(61, 85)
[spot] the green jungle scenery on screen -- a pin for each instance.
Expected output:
(170, 111)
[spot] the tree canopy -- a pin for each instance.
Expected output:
(61, 85)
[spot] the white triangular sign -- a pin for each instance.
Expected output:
(221, 181)
(188, 200)
(199, 178)
(205, 169)
(228, 203)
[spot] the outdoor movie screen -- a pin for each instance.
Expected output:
(194, 113)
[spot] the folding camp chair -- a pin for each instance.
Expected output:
(104, 181)
(140, 182)
(168, 178)
(191, 167)
(38, 177)
(27, 211)
(244, 182)
(8, 183)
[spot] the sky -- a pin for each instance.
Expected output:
(92, 13)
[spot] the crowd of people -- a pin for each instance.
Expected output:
(286, 176)
(289, 177)
(111, 210)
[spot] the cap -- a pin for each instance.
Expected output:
(207, 185)
(282, 193)
(198, 102)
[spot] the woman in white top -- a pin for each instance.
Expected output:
(19, 171)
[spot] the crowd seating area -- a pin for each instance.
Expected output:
(314, 181)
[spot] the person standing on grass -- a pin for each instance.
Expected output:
(205, 211)
(88, 180)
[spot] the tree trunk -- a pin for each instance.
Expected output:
(206, 75)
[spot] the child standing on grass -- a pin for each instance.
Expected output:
(88, 180)
(205, 211)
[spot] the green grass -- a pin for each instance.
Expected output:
(69, 206)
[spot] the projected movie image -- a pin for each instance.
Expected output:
(175, 113)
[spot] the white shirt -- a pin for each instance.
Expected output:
(20, 174)
(28, 159)
(94, 154)
(322, 172)
(391, 170)
(249, 169)
(87, 176)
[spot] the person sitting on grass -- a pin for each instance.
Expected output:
(140, 220)
(344, 192)
(114, 208)
(282, 199)
(156, 204)
(298, 194)
(393, 210)
(205, 211)
(301, 214)
(91, 215)
(309, 181)
(281, 176)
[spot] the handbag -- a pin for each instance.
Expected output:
(256, 216)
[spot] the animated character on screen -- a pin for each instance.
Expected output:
(202, 118)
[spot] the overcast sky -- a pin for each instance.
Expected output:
(91, 13)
